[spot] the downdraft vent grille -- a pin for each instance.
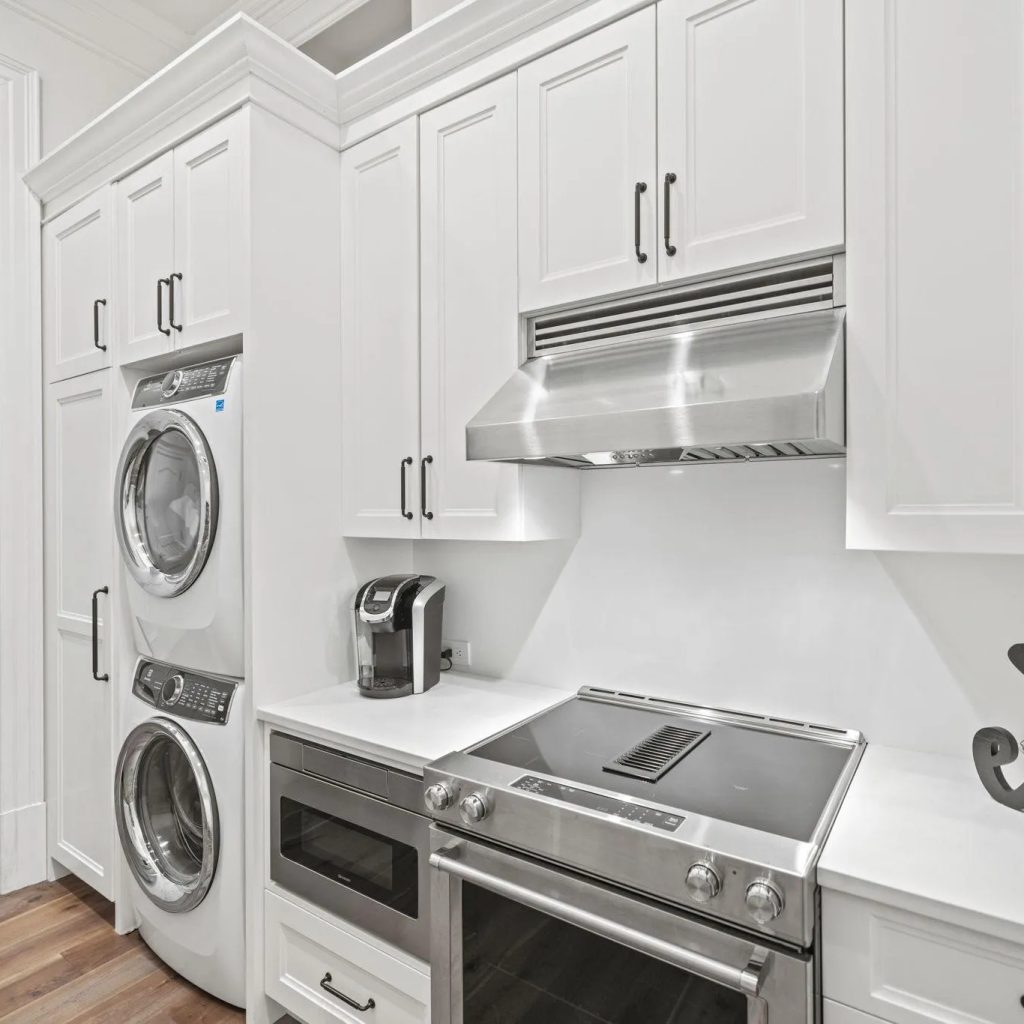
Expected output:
(781, 291)
(651, 758)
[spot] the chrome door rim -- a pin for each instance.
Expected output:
(170, 894)
(129, 533)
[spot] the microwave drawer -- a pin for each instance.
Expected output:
(305, 958)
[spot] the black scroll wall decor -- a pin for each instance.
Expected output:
(995, 747)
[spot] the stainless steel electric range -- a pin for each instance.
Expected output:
(631, 860)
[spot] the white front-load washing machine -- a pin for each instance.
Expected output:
(178, 800)
(178, 510)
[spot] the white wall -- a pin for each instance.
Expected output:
(731, 586)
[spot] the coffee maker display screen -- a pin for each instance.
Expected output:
(381, 595)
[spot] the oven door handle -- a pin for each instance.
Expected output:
(747, 980)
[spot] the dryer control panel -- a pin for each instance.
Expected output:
(183, 385)
(184, 694)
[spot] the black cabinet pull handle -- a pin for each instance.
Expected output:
(407, 461)
(96, 636)
(670, 180)
(160, 305)
(170, 311)
(641, 188)
(96, 324)
(424, 462)
(325, 984)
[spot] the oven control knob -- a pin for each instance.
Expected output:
(474, 808)
(171, 690)
(764, 901)
(171, 383)
(438, 797)
(703, 882)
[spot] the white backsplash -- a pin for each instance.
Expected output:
(731, 586)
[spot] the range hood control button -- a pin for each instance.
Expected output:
(438, 797)
(703, 882)
(764, 901)
(474, 808)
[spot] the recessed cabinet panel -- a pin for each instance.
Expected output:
(79, 558)
(936, 312)
(210, 233)
(145, 257)
(77, 299)
(750, 131)
(380, 335)
(587, 137)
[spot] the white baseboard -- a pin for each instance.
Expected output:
(22, 847)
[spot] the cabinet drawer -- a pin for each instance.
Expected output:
(837, 1013)
(301, 950)
(910, 969)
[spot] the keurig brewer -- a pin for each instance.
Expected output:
(398, 635)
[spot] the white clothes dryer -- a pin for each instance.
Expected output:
(178, 802)
(178, 510)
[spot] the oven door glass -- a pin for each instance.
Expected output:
(378, 866)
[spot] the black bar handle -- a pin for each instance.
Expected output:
(160, 305)
(670, 180)
(170, 311)
(96, 324)
(407, 461)
(96, 637)
(325, 984)
(641, 188)
(424, 462)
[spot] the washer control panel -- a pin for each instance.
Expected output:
(184, 694)
(183, 385)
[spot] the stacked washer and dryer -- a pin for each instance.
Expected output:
(179, 782)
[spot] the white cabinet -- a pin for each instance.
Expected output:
(183, 244)
(77, 301)
(935, 323)
(750, 131)
(587, 142)
(837, 1013)
(305, 957)
(406, 398)
(79, 559)
(907, 969)
(380, 379)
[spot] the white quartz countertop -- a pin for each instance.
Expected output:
(408, 732)
(919, 831)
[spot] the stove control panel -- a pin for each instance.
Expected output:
(184, 694)
(599, 802)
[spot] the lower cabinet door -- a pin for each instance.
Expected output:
(79, 566)
(837, 1013)
(317, 971)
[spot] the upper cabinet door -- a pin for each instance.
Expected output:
(587, 165)
(380, 335)
(210, 234)
(77, 308)
(935, 320)
(750, 132)
(470, 330)
(145, 259)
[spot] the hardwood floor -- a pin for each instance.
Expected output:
(61, 962)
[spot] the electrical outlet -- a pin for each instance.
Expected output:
(460, 652)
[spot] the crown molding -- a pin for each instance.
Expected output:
(121, 31)
(295, 21)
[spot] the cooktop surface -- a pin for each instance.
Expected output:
(772, 781)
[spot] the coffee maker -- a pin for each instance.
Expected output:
(398, 635)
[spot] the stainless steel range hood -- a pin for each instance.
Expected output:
(747, 368)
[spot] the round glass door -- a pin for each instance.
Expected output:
(166, 502)
(167, 815)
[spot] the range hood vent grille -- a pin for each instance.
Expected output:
(781, 291)
(651, 758)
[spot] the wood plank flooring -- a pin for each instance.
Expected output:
(61, 962)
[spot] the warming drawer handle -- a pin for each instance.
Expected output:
(640, 188)
(747, 980)
(325, 984)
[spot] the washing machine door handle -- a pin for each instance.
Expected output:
(142, 809)
(197, 512)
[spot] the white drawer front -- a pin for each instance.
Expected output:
(837, 1013)
(909, 969)
(301, 949)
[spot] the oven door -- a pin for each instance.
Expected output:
(514, 940)
(360, 858)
